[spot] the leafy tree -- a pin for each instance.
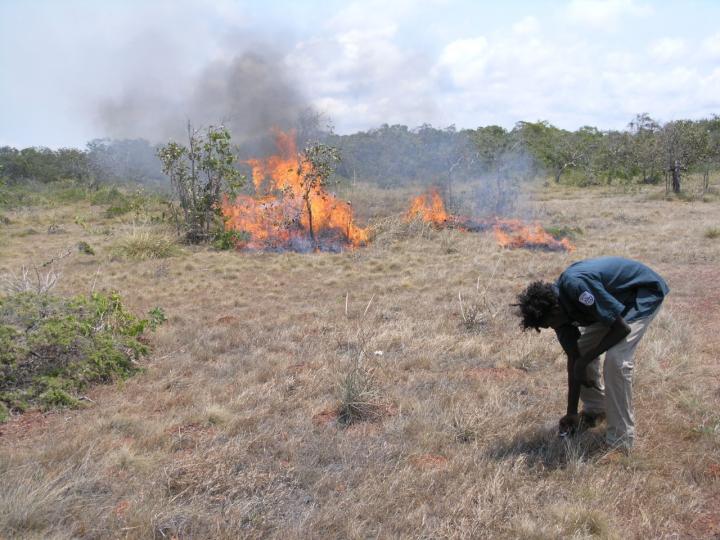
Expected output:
(555, 149)
(316, 166)
(684, 144)
(645, 151)
(199, 173)
(711, 156)
(613, 157)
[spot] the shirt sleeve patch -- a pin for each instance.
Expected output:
(587, 298)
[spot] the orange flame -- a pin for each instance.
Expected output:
(513, 233)
(429, 207)
(510, 233)
(290, 216)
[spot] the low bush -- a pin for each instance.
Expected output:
(121, 203)
(85, 248)
(225, 239)
(68, 191)
(142, 244)
(564, 231)
(29, 194)
(106, 195)
(52, 348)
(712, 232)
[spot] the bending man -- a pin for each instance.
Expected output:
(598, 306)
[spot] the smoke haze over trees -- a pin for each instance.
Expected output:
(648, 151)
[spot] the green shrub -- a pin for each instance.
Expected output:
(68, 191)
(106, 195)
(712, 232)
(116, 211)
(27, 194)
(84, 247)
(52, 348)
(225, 240)
(564, 232)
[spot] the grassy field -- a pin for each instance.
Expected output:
(350, 396)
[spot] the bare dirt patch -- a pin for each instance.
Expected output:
(325, 417)
(429, 461)
(25, 425)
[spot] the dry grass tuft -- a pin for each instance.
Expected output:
(359, 396)
(143, 243)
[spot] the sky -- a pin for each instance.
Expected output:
(74, 70)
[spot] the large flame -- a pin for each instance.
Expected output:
(510, 233)
(289, 216)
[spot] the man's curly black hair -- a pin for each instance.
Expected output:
(535, 303)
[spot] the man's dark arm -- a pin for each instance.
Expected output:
(574, 386)
(568, 337)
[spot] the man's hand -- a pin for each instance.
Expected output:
(569, 424)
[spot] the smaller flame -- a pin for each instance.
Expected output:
(513, 233)
(510, 233)
(429, 207)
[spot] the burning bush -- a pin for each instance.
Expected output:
(292, 209)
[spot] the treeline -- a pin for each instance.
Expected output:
(102, 161)
(648, 151)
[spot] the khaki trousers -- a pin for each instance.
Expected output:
(614, 397)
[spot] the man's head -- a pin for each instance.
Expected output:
(539, 307)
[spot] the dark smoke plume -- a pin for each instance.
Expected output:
(249, 94)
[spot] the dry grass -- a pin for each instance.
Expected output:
(233, 429)
(142, 243)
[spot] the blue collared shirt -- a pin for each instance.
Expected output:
(598, 290)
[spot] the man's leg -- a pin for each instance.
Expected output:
(618, 371)
(592, 398)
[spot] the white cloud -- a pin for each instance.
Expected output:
(667, 49)
(526, 25)
(604, 14)
(465, 60)
(359, 74)
(711, 46)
